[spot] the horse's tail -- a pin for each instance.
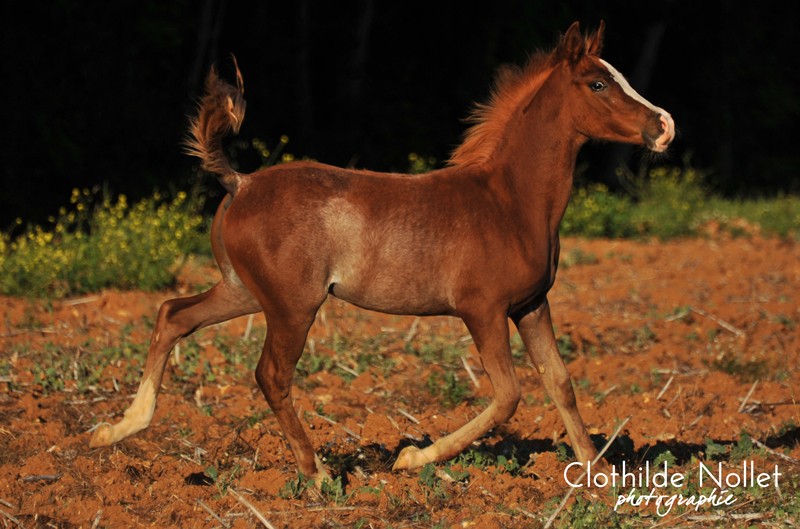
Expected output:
(220, 110)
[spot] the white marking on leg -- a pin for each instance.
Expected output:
(141, 410)
(137, 417)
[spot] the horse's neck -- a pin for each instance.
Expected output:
(540, 161)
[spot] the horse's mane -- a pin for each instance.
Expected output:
(513, 86)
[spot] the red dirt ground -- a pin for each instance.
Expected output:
(674, 335)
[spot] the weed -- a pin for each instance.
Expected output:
(440, 351)
(643, 336)
(434, 489)
(585, 514)
(664, 457)
(518, 351)
(744, 370)
(448, 386)
(578, 257)
(294, 488)
(715, 451)
(314, 363)
(562, 453)
(333, 490)
(257, 417)
(566, 347)
(743, 448)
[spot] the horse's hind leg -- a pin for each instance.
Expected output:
(536, 330)
(286, 338)
(176, 318)
(491, 339)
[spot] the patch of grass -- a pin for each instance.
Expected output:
(518, 351)
(586, 514)
(314, 363)
(643, 336)
(441, 351)
(578, 257)
(483, 459)
(778, 216)
(566, 347)
(674, 202)
(294, 488)
(448, 387)
(80, 368)
(434, 489)
(745, 370)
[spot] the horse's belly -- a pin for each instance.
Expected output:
(394, 294)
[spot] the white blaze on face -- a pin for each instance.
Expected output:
(666, 119)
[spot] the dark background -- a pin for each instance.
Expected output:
(98, 92)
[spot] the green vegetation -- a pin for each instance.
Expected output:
(99, 243)
(448, 387)
(673, 202)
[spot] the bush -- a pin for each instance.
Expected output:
(670, 202)
(595, 212)
(110, 244)
(778, 216)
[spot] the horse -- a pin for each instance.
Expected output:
(476, 239)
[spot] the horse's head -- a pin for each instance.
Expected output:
(603, 105)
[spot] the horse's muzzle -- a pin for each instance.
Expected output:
(666, 132)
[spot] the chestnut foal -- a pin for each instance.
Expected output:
(477, 239)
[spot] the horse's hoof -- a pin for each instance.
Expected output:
(321, 473)
(103, 436)
(408, 459)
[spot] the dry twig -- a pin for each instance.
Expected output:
(407, 415)
(470, 372)
(212, 513)
(251, 507)
(347, 430)
(249, 327)
(664, 389)
(12, 518)
(747, 397)
(412, 331)
(775, 453)
(719, 321)
(96, 522)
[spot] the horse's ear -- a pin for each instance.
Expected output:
(573, 45)
(594, 44)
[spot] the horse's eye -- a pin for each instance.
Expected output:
(597, 86)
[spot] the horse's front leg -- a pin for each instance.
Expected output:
(490, 334)
(536, 330)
